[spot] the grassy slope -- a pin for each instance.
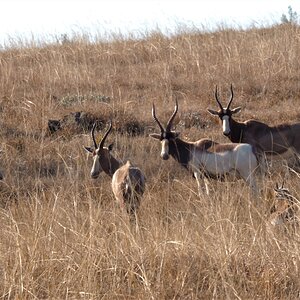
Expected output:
(62, 235)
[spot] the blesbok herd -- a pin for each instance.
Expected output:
(206, 159)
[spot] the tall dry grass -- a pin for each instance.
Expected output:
(63, 236)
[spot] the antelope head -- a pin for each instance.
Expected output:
(166, 135)
(101, 154)
(225, 113)
(283, 193)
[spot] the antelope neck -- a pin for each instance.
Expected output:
(111, 166)
(180, 151)
(236, 131)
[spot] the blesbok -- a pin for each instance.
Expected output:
(281, 140)
(128, 181)
(285, 208)
(206, 158)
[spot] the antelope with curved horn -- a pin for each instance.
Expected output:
(280, 140)
(128, 182)
(285, 208)
(206, 158)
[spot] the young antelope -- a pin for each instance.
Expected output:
(284, 210)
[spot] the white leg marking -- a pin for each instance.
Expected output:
(206, 186)
(200, 187)
(249, 177)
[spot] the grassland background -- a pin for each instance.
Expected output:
(63, 237)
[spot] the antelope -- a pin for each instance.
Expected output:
(277, 141)
(206, 158)
(284, 210)
(128, 181)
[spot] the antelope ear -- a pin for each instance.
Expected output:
(88, 149)
(213, 112)
(236, 110)
(110, 147)
(156, 136)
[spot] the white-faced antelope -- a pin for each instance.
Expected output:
(128, 182)
(206, 158)
(285, 208)
(280, 140)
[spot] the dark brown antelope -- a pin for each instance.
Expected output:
(128, 182)
(206, 158)
(285, 208)
(282, 140)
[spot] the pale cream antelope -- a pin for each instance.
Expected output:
(128, 181)
(277, 141)
(206, 158)
(285, 207)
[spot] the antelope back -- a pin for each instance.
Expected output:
(128, 186)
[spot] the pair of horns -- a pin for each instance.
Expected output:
(230, 99)
(277, 187)
(170, 122)
(168, 127)
(101, 144)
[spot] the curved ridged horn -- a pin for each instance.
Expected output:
(101, 144)
(169, 124)
(217, 98)
(155, 118)
(231, 96)
(93, 136)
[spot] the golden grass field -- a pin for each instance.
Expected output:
(62, 235)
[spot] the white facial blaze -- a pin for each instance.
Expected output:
(225, 123)
(96, 168)
(164, 148)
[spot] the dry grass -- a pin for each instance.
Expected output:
(62, 235)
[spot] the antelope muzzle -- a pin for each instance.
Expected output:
(164, 149)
